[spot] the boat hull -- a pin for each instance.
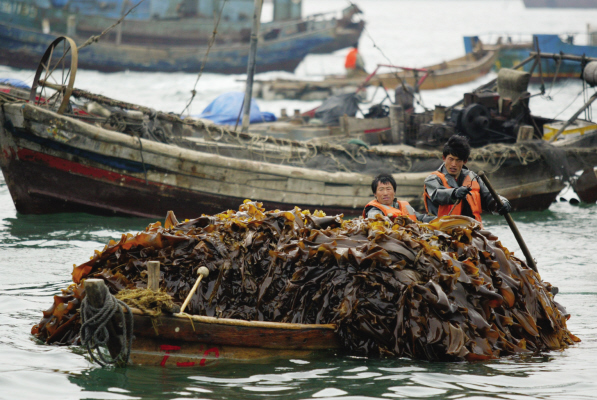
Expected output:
(63, 167)
(23, 48)
(55, 163)
(196, 341)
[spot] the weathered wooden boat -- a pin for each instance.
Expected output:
(473, 65)
(57, 163)
(183, 340)
(156, 38)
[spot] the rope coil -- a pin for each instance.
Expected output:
(94, 331)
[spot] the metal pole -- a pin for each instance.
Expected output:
(251, 65)
(573, 118)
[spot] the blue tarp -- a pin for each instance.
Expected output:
(224, 110)
(15, 83)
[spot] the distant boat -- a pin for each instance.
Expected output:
(511, 54)
(560, 3)
(171, 36)
(476, 63)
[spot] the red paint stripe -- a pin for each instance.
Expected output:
(376, 130)
(185, 364)
(168, 347)
(62, 164)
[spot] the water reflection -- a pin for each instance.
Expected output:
(333, 376)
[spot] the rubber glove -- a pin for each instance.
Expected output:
(506, 207)
(461, 192)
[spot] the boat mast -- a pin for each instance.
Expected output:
(251, 65)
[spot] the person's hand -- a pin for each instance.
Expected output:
(506, 207)
(461, 192)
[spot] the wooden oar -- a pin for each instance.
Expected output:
(203, 272)
(510, 221)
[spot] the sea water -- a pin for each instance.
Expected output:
(37, 253)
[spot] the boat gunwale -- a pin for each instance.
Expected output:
(241, 322)
(93, 132)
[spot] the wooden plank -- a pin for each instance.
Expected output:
(237, 333)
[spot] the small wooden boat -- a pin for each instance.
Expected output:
(182, 340)
(467, 68)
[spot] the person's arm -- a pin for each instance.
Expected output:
(373, 211)
(420, 216)
(438, 194)
(488, 203)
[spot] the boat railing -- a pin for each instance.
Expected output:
(289, 28)
(506, 37)
(424, 71)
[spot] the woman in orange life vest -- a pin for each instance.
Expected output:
(453, 182)
(385, 203)
(354, 63)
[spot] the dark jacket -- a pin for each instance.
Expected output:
(440, 195)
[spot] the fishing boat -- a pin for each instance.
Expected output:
(549, 69)
(157, 37)
(475, 64)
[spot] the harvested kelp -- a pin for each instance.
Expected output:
(447, 290)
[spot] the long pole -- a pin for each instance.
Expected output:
(251, 65)
(517, 235)
(573, 118)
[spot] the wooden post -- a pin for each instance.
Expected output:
(251, 65)
(525, 132)
(397, 123)
(153, 275)
(439, 115)
(95, 293)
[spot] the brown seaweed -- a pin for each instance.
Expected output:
(447, 290)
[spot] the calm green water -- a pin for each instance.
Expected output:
(37, 254)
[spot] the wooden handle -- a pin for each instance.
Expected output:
(513, 228)
(203, 272)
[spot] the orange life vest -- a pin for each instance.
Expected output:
(390, 211)
(351, 59)
(473, 198)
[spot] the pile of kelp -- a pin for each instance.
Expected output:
(441, 291)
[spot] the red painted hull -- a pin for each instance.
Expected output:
(42, 184)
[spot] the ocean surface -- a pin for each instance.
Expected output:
(37, 253)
